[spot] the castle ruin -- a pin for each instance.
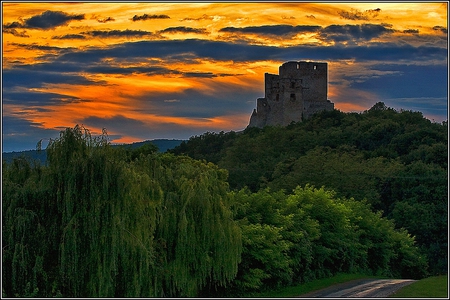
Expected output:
(299, 91)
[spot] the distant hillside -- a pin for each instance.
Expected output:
(162, 144)
(394, 160)
(33, 154)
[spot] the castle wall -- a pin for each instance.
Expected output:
(298, 91)
(312, 107)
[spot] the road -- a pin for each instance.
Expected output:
(361, 288)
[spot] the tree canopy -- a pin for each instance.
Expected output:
(396, 160)
(99, 222)
(228, 214)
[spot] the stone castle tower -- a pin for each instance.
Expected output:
(299, 91)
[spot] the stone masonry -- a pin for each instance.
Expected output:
(299, 91)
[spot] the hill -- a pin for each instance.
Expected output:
(162, 144)
(394, 160)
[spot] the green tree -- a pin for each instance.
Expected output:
(115, 225)
(264, 260)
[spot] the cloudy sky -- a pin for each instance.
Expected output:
(173, 70)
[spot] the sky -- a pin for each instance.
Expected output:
(152, 70)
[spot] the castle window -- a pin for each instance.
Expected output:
(293, 84)
(278, 97)
(298, 66)
(292, 97)
(315, 67)
(301, 81)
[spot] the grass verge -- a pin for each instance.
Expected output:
(431, 287)
(294, 291)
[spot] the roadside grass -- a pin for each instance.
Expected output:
(431, 287)
(295, 291)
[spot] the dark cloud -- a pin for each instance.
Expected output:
(35, 79)
(441, 28)
(277, 30)
(203, 17)
(155, 70)
(13, 25)
(173, 49)
(105, 69)
(40, 47)
(200, 74)
(310, 17)
(413, 31)
(192, 103)
(411, 87)
(366, 32)
(117, 33)
(69, 37)
(15, 32)
(148, 17)
(355, 14)
(47, 20)
(108, 19)
(416, 80)
(373, 11)
(19, 134)
(66, 69)
(337, 33)
(207, 74)
(116, 123)
(46, 52)
(34, 100)
(58, 67)
(218, 50)
(183, 29)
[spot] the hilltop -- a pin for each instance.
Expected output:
(394, 160)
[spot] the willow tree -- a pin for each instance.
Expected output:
(106, 218)
(23, 230)
(99, 222)
(198, 243)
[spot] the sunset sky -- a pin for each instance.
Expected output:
(173, 70)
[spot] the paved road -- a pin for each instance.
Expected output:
(361, 288)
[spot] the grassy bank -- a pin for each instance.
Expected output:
(294, 291)
(431, 287)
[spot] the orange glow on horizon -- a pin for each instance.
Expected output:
(350, 107)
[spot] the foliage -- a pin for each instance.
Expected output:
(310, 234)
(206, 146)
(104, 222)
(395, 160)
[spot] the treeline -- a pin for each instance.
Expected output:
(105, 222)
(100, 221)
(162, 145)
(395, 160)
(309, 234)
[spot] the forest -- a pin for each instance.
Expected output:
(228, 214)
